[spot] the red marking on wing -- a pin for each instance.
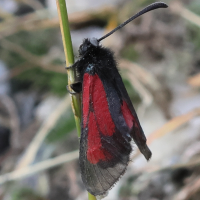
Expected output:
(95, 105)
(101, 109)
(95, 153)
(95, 95)
(86, 97)
(129, 118)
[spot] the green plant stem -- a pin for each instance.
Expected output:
(91, 197)
(67, 43)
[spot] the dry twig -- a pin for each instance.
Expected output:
(136, 81)
(189, 190)
(139, 87)
(31, 151)
(173, 124)
(42, 19)
(194, 80)
(14, 123)
(37, 60)
(47, 164)
(178, 8)
(170, 126)
(152, 88)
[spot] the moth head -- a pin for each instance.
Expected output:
(88, 45)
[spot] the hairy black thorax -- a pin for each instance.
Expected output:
(95, 59)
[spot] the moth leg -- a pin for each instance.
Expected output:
(72, 66)
(76, 87)
(68, 89)
(69, 67)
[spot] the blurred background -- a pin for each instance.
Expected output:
(159, 60)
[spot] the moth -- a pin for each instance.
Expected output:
(109, 121)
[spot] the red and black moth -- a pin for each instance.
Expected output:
(109, 121)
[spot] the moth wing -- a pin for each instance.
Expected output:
(104, 149)
(131, 118)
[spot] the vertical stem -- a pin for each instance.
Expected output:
(91, 197)
(67, 43)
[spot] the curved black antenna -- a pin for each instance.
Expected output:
(152, 6)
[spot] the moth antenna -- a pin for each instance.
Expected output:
(152, 6)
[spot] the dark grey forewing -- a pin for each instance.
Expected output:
(137, 134)
(100, 177)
